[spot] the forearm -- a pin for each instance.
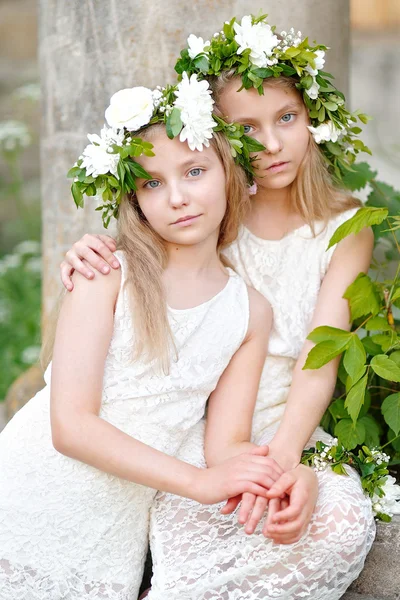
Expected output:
(216, 455)
(91, 440)
(310, 394)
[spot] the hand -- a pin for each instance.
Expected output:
(251, 472)
(92, 248)
(287, 521)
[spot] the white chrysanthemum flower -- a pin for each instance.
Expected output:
(97, 157)
(196, 45)
(313, 90)
(30, 355)
(28, 247)
(14, 135)
(326, 132)
(389, 504)
(193, 98)
(130, 108)
(319, 63)
(259, 38)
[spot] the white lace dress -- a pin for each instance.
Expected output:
(71, 532)
(199, 554)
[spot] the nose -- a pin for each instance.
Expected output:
(177, 196)
(272, 141)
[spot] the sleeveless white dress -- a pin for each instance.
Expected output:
(71, 532)
(199, 554)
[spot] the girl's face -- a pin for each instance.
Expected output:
(278, 120)
(185, 200)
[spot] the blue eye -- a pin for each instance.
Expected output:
(287, 118)
(247, 129)
(195, 172)
(149, 184)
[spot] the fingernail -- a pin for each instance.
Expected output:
(105, 269)
(90, 275)
(115, 264)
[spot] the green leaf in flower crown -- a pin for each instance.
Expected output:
(350, 434)
(174, 123)
(391, 411)
(138, 170)
(252, 144)
(385, 367)
(77, 195)
(358, 177)
(324, 352)
(202, 63)
(263, 73)
(364, 217)
(355, 398)
(363, 297)
(354, 359)
(325, 333)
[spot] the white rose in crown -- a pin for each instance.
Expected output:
(130, 108)
(259, 38)
(326, 132)
(196, 45)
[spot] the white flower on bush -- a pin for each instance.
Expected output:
(14, 135)
(193, 98)
(130, 108)
(326, 132)
(313, 90)
(30, 355)
(196, 45)
(319, 63)
(259, 38)
(97, 157)
(389, 504)
(28, 247)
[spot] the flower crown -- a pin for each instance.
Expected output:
(255, 53)
(107, 166)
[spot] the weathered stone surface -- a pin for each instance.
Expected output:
(88, 50)
(381, 575)
(23, 388)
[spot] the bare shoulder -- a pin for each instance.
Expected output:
(355, 247)
(101, 286)
(260, 312)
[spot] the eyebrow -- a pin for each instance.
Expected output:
(284, 109)
(191, 161)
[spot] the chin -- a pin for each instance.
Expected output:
(277, 182)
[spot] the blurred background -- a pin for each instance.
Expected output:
(374, 87)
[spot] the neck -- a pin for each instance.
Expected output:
(272, 201)
(193, 259)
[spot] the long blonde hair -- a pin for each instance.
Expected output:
(314, 195)
(146, 257)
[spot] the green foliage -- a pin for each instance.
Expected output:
(20, 312)
(366, 407)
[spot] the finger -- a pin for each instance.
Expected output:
(297, 504)
(273, 507)
(231, 505)
(96, 243)
(248, 501)
(261, 463)
(253, 488)
(66, 272)
(286, 539)
(92, 258)
(77, 265)
(109, 241)
(292, 527)
(257, 513)
(283, 485)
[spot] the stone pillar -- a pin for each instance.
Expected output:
(88, 50)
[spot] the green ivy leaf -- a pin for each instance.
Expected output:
(384, 367)
(354, 359)
(377, 324)
(391, 411)
(338, 410)
(324, 352)
(355, 398)
(358, 177)
(325, 333)
(370, 346)
(395, 357)
(363, 297)
(364, 217)
(350, 434)
(77, 195)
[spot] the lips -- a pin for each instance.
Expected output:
(185, 219)
(277, 164)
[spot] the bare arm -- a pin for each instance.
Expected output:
(231, 405)
(311, 390)
(79, 432)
